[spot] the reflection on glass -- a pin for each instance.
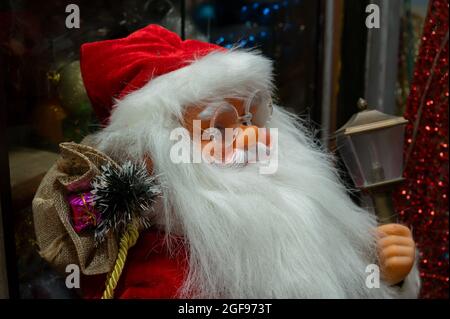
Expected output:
(286, 31)
(47, 103)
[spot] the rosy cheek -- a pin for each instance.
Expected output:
(204, 144)
(227, 153)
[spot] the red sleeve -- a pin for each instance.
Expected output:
(150, 271)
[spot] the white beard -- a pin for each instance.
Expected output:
(293, 234)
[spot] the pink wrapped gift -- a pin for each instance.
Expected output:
(84, 215)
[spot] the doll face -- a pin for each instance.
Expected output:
(234, 124)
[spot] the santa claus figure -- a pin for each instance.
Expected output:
(263, 213)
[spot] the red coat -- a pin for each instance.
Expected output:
(150, 272)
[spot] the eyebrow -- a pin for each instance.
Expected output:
(207, 112)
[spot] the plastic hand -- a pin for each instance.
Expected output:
(396, 251)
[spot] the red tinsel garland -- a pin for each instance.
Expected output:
(422, 201)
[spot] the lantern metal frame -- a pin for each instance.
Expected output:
(364, 122)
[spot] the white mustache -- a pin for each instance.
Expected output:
(241, 158)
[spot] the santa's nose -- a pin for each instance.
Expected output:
(250, 136)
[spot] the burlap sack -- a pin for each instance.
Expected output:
(59, 244)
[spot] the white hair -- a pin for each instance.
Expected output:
(293, 234)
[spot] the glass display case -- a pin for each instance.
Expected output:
(44, 103)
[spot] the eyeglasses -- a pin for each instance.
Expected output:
(257, 111)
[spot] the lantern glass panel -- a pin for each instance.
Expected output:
(350, 158)
(374, 156)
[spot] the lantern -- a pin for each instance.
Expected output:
(371, 146)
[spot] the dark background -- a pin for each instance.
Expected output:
(34, 42)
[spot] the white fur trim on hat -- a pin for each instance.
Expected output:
(218, 74)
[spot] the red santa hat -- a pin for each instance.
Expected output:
(158, 62)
